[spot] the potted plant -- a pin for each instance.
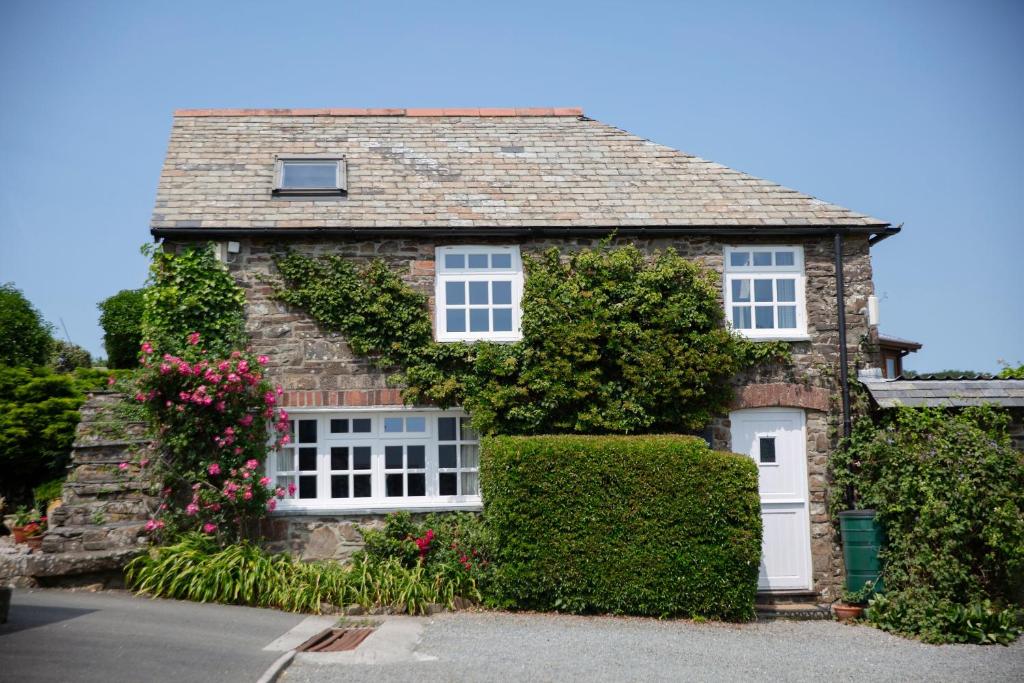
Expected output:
(854, 602)
(27, 523)
(34, 533)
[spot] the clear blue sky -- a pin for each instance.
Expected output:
(910, 111)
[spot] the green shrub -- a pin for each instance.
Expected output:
(648, 525)
(121, 320)
(196, 568)
(45, 493)
(68, 357)
(949, 490)
(24, 335)
(191, 291)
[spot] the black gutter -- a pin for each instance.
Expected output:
(876, 232)
(885, 233)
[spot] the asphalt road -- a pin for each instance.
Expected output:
(495, 646)
(57, 636)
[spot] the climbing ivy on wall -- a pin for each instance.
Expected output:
(612, 342)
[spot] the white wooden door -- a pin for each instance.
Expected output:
(775, 439)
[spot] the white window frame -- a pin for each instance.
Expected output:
(444, 275)
(751, 272)
(378, 440)
(340, 176)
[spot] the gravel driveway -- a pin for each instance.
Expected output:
(500, 647)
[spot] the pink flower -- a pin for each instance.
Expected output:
(154, 524)
(264, 481)
(279, 492)
(123, 466)
(193, 339)
(248, 494)
(271, 504)
(111, 380)
(252, 463)
(191, 509)
(245, 420)
(263, 360)
(291, 489)
(209, 527)
(285, 440)
(147, 347)
(213, 469)
(164, 368)
(243, 366)
(140, 397)
(269, 398)
(144, 462)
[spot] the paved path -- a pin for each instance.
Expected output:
(507, 647)
(54, 635)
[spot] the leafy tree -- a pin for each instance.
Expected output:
(121, 320)
(67, 356)
(24, 335)
(1010, 372)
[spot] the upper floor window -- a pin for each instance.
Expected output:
(306, 176)
(479, 291)
(764, 291)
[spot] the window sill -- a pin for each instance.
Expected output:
(782, 338)
(321, 511)
(494, 340)
(326, 192)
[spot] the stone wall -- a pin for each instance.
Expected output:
(317, 368)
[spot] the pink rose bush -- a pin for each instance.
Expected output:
(216, 419)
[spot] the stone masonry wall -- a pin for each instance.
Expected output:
(318, 368)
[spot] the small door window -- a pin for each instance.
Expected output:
(766, 450)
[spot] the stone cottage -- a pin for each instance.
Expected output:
(452, 199)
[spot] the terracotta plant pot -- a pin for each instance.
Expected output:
(848, 612)
(19, 534)
(35, 542)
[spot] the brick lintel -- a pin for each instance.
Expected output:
(780, 395)
(342, 399)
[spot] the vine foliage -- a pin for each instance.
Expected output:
(612, 342)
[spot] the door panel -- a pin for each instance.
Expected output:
(775, 439)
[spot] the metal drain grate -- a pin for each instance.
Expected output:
(335, 640)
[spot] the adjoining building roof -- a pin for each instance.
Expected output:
(945, 392)
(461, 168)
(899, 343)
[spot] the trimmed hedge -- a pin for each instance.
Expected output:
(648, 525)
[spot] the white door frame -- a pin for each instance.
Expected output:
(782, 504)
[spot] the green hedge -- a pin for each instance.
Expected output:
(649, 525)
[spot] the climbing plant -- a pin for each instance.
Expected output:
(612, 342)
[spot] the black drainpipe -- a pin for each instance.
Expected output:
(844, 380)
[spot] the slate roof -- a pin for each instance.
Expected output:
(459, 168)
(945, 392)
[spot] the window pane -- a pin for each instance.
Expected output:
(286, 460)
(394, 484)
(762, 258)
(446, 457)
(787, 317)
(764, 317)
(339, 458)
(361, 486)
(392, 424)
(741, 317)
(339, 426)
(418, 484)
(416, 457)
(415, 424)
(470, 456)
(501, 292)
(307, 487)
(767, 451)
(307, 175)
(307, 431)
(446, 429)
(455, 319)
(786, 290)
(455, 293)
(890, 368)
(470, 484)
(339, 486)
(307, 459)
(454, 261)
(739, 258)
(479, 320)
(393, 457)
(284, 482)
(448, 484)
(478, 293)
(741, 290)
(502, 319)
(361, 458)
(468, 433)
(784, 258)
(501, 260)
(361, 425)
(762, 290)
(478, 260)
